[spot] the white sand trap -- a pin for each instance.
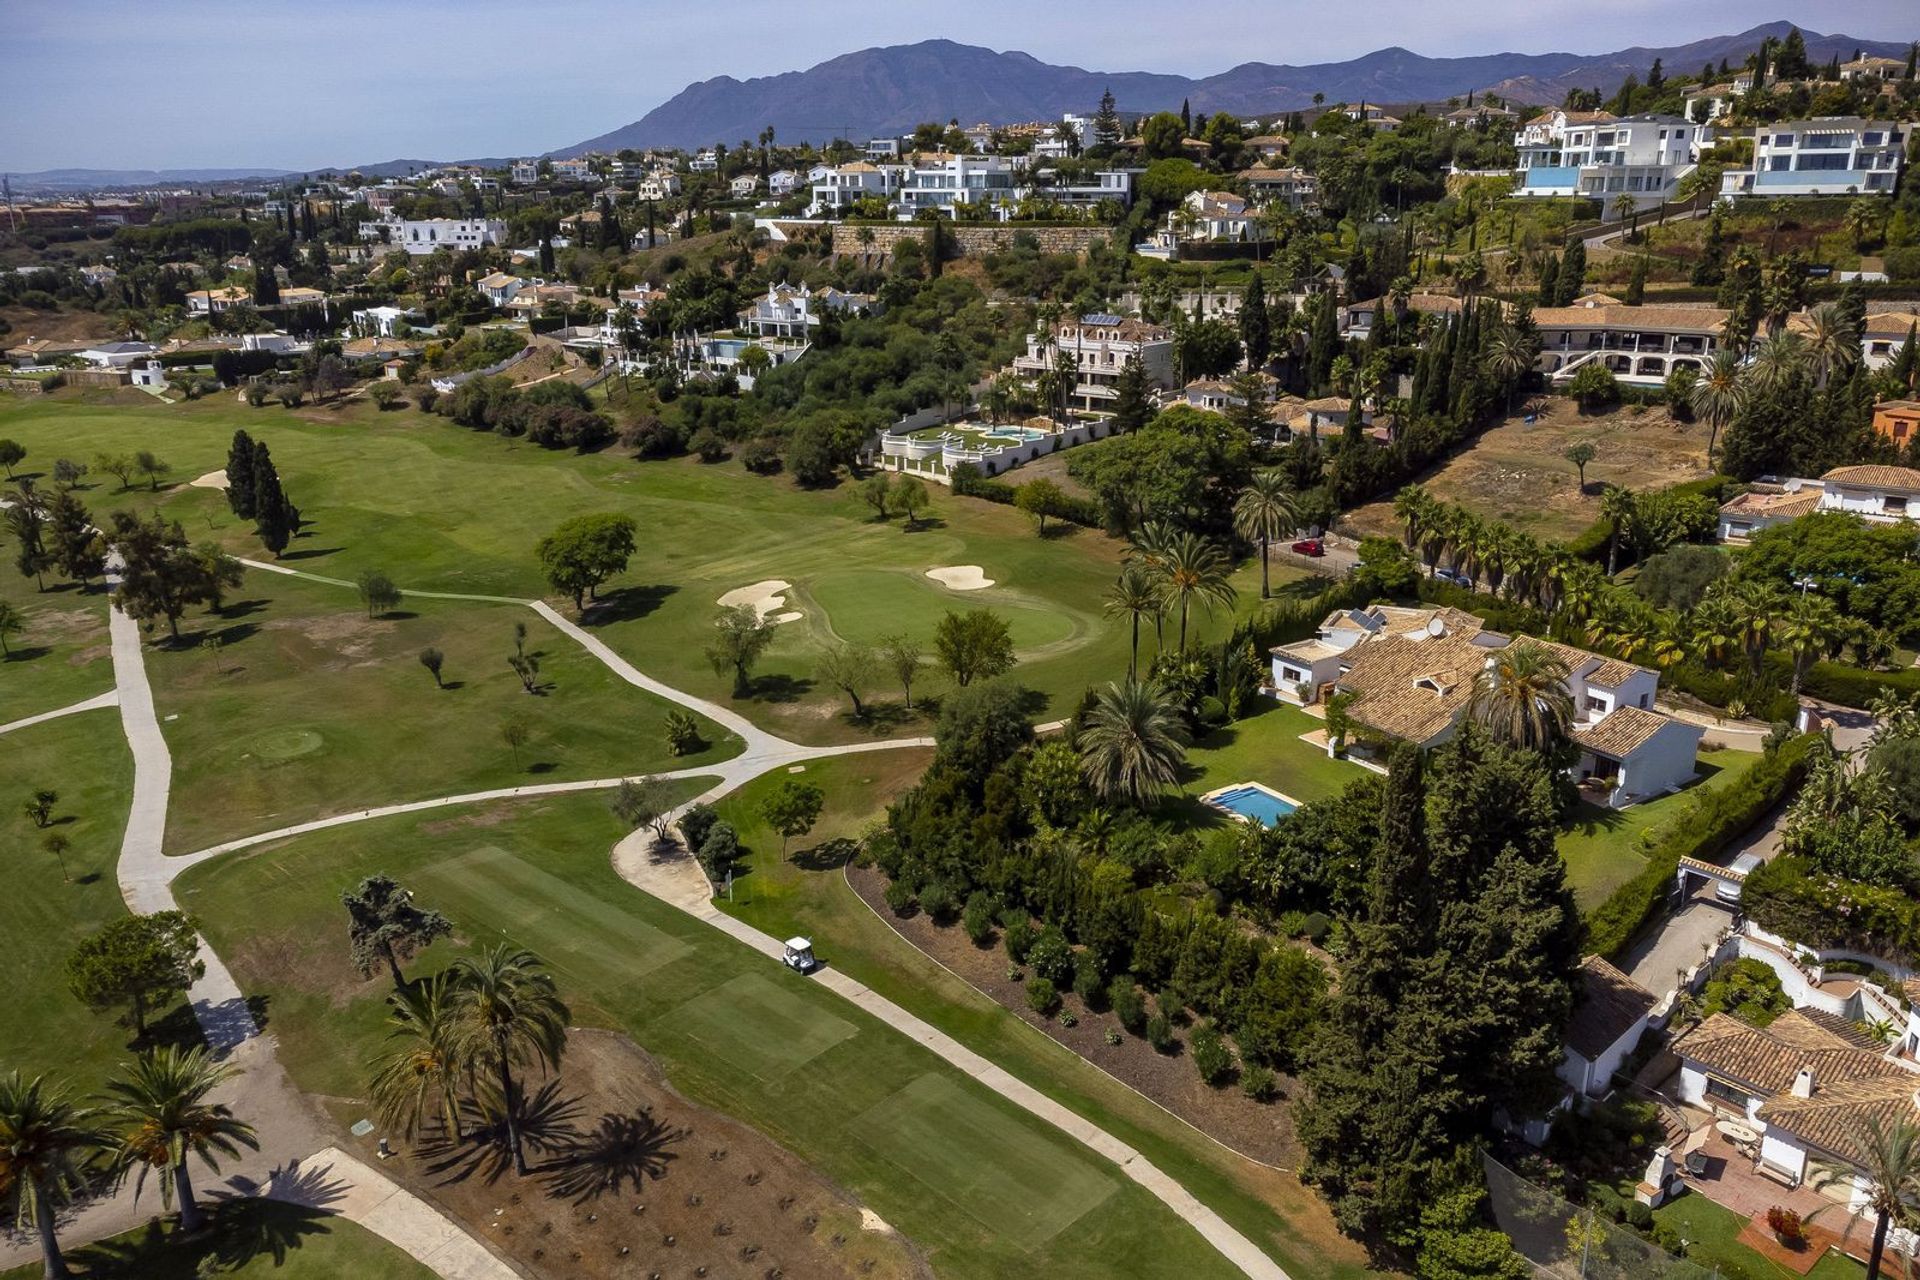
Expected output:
(960, 577)
(871, 1221)
(212, 480)
(768, 599)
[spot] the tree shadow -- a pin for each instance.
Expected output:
(547, 1124)
(395, 615)
(222, 636)
(240, 1231)
(1058, 530)
(880, 718)
(448, 686)
(781, 688)
(177, 1028)
(622, 1150)
(542, 766)
(925, 524)
(828, 855)
(309, 553)
(624, 604)
(27, 653)
(243, 608)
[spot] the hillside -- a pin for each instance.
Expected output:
(889, 90)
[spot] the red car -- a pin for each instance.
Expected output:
(1309, 547)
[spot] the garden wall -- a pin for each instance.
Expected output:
(967, 239)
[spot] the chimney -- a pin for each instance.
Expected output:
(1803, 1083)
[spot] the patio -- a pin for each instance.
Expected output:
(1732, 1181)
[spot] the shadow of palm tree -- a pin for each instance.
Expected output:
(622, 1150)
(239, 1232)
(548, 1122)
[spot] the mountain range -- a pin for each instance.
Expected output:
(883, 91)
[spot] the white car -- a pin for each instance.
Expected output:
(1728, 890)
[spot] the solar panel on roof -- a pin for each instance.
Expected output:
(1099, 317)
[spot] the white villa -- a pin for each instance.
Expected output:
(1597, 154)
(211, 302)
(420, 236)
(789, 312)
(1609, 1016)
(1295, 188)
(1100, 346)
(499, 288)
(117, 355)
(1879, 494)
(1832, 156)
(1411, 671)
(1640, 345)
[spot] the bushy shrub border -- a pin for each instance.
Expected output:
(1792, 898)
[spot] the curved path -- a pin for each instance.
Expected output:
(110, 698)
(146, 875)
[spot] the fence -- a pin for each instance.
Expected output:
(1561, 1238)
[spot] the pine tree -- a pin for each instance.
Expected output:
(1132, 399)
(1256, 334)
(240, 475)
(273, 516)
(1106, 121)
(72, 543)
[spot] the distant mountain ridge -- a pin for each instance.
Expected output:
(883, 91)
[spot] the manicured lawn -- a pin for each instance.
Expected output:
(1604, 848)
(43, 915)
(252, 1240)
(294, 705)
(439, 507)
(1264, 747)
(855, 1105)
(60, 656)
(806, 894)
(1712, 1236)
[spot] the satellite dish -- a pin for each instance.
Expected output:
(1435, 627)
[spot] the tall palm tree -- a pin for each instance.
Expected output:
(1756, 608)
(431, 1054)
(1778, 360)
(1264, 513)
(1831, 342)
(160, 1109)
(509, 1005)
(1509, 355)
(1889, 1154)
(1719, 395)
(48, 1149)
(1191, 568)
(1521, 697)
(1131, 743)
(1134, 596)
(1414, 506)
(1616, 508)
(1811, 628)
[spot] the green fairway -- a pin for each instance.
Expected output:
(1604, 848)
(60, 655)
(274, 913)
(43, 914)
(439, 507)
(248, 1240)
(295, 705)
(980, 1161)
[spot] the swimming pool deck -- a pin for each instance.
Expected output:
(1212, 799)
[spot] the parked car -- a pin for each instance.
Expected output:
(1309, 547)
(1726, 890)
(1457, 579)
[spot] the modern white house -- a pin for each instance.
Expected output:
(524, 173)
(1831, 156)
(1878, 494)
(378, 322)
(782, 182)
(421, 236)
(1599, 155)
(844, 186)
(1099, 346)
(117, 355)
(707, 161)
(1609, 1015)
(786, 311)
(661, 184)
(744, 185)
(941, 180)
(499, 288)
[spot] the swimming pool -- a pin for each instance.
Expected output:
(1251, 802)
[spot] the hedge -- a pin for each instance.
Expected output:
(1713, 820)
(1788, 896)
(969, 481)
(1854, 687)
(1591, 543)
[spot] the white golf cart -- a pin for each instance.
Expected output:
(799, 957)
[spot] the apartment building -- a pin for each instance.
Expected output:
(1599, 155)
(1830, 156)
(420, 236)
(1100, 346)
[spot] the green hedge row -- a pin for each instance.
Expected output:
(1854, 687)
(969, 481)
(1788, 896)
(1591, 543)
(1702, 830)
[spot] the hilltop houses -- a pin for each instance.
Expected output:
(1099, 346)
(1600, 155)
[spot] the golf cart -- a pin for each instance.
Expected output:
(799, 957)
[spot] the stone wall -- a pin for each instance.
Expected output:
(967, 239)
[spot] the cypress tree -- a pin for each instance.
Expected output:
(240, 475)
(1256, 335)
(1905, 364)
(1573, 272)
(273, 517)
(1549, 293)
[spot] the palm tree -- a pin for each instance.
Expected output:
(1134, 596)
(1889, 1154)
(433, 1051)
(1831, 342)
(1132, 743)
(1812, 628)
(1192, 568)
(160, 1108)
(1509, 355)
(1755, 608)
(1265, 512)
(1616, 508)
(1719, 395)
(1521, 697)
(509, 1006)
(1778, 360)
(48, 1146)
(1414, 505)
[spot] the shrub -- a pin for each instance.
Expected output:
(683, 733)
(1068, 1019)
(708, 445)
(256, 394)
(938, 901)
(1640, 1216)
(1748, 989)
(719, 851)
(1259, 1083)
(1018, 936)
(1160, 1034)
(1042, 997)
(1211, 1057)
(1791, 897)
(1111, 1036)
(1052, 956)
(1089, 981)
(426, 397)
(761, 455)
(1714, 818)
(1129, 1004)
(977, 918)
(1785, 1224)
(696, 822)
(899, 897)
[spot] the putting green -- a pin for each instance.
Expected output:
(284, 744)
(583, 937)
(758, 1024)
(865, 604)
(999, 1172)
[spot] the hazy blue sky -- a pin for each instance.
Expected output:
(224, 83)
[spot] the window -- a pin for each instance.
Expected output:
(1721, 1091)
(1894, 505)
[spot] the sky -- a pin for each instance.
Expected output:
(304, 85)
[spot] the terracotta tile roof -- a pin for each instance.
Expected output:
(1276, 175)
(1767, 1059)
(1890, 324)
(1588, 117)
(1777, 506)
(1621, 732)
(1610, 1004)
(1837, 1117)
(1412, 688)
(1905, 479)
(1611, 673)
(1607, 316)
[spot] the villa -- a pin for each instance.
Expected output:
(1639, 345)
(1609, 1016)
(1877, 494)
(1100, 346)
(789, 312)
(1597, 154)
(204, 302)
(1831, 156)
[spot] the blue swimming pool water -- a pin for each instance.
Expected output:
(1252, 802)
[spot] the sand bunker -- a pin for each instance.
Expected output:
(960, 577)
(212, 480)
(767, 599)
